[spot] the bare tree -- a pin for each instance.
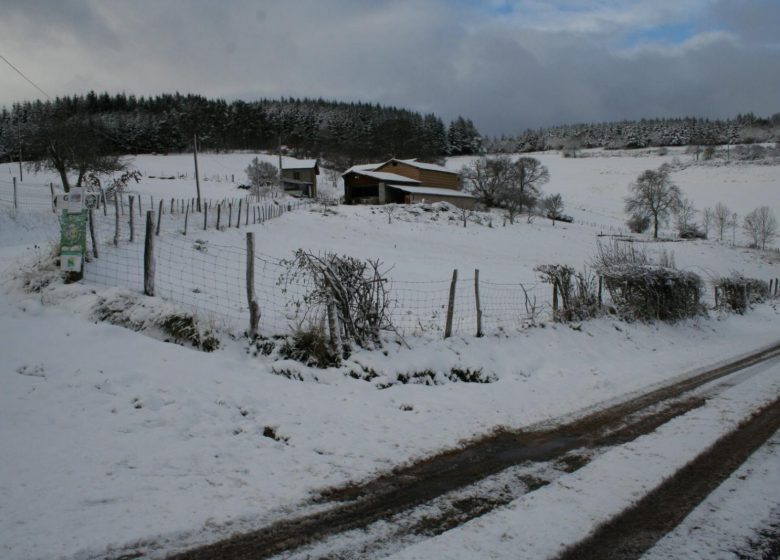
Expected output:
(552, 206)
(390, 210)
(261, 174)
(685, 214)
(721, 216)
(761, 226)
(530, 175)
(486, 178)
(653, 194)
(707, 218)
(521, 193)
(514, 201)
(332, 177)
(77, 146)
(464, 215)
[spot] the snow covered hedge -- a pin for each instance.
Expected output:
(649, 292)
(736, 293)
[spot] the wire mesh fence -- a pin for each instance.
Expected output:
(207, 274)
(209, 277)
(16, 194)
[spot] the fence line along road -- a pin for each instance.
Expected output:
(208, 276)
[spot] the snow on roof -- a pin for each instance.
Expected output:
(428, 166)
(387, 177)
(361, 167)
(292, 163)
(432, 191)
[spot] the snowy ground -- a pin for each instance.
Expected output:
(726, 522)
(118, 438)
(543, 523)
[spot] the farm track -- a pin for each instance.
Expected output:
(633, 532)
(358, 506)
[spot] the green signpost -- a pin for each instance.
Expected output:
(73, 240)
(73, 234)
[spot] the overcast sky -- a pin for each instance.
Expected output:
(507, 65)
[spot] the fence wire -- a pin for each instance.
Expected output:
(207, 275)
(209, 278)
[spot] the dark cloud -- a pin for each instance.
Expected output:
(756, 22)
(507, 70)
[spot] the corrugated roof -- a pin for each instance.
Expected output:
(361, 167)
(387, 177)
(432, 191)
(428, 166)
(292, 163)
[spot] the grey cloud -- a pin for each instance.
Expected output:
(428, 55)
(756, 22)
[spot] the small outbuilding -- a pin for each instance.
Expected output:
(299, 177)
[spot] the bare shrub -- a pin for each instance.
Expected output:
(638, 223)
(351, 292)
(761, 226)
(736, 293)
(311, 346)
(577, 291)
(616, 253)
(643, 291)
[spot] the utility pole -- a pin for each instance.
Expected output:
(279, 146)
(197, 177)
(19, 137)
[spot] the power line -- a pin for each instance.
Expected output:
(36, 86)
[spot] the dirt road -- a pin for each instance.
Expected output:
(481, 463)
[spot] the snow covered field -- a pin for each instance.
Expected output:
(118, 439)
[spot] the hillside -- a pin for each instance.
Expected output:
(122, 442)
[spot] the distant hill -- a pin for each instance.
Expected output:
(743, 129)
(167, 123)
(342, 133)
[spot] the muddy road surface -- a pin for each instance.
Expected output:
(500, 467)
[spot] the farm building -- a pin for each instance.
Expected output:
(404, 181)
(299, 176)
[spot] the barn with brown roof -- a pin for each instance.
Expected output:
(404, 181)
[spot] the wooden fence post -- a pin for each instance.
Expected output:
(254, 309)
(230, 214)
(451, 305)
(53, 198)
(149, 254)
(105, 202)
(132, 219)
(92, 233)
(16, 201)
(116, 218)
(479, 307)
(246, 220)
(159, 217)
(172, 207)
(219, 214)
(205, 217)
(555, 302)
(140, 210)
(186, 217)
(601, 285)
(238, 221)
